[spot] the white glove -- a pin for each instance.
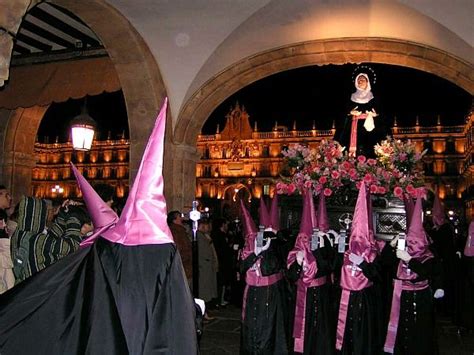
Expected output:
(439, 293)
(263, 248)
(300, 257)
(356, 259)
(459, 255)
(369, 124)
(201, 304)
(393, 242)
(403, 254)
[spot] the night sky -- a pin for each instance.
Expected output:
(314, 93)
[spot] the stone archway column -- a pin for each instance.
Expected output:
(18, 130)
(180, 175)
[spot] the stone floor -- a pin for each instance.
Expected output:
(222, 335)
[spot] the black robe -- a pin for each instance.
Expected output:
(365, 140)
(103, 299)
(320, 326)
(363, 333)
(416, 325)
(444, 245)
(264, 327)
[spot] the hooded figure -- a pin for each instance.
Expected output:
(358, 320)
(263, 328)
(411, 325)
(313, 328)
(444, 245)
(126, 293)
(464, 311)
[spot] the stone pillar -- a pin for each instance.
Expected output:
(180, 175)
(17, 173)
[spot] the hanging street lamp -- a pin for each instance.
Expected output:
(83, 130)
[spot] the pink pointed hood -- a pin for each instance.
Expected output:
(274, 215)
(417, 241)
(307, 215)
(361, 240)
(469, 248)
(247, 221)
(102, 216)
(323, 221)
(143, 219)
(264, 215)
(250, 231)
(438, 212)
(409, 208)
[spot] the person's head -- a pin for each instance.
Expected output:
(174, 217)
(80, 212)
(204, 226)
(362, 81)
(106, 193)
(5, 198)
(220, 224)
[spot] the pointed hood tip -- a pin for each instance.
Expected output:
(264, 215)
(307, 215)
(247, 221)
(361, 238)
(143, 219)
(274, 215)
(323, 220)
(102, 216)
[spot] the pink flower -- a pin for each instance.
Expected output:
(353, 173)
(335, 174)
(410, 189)
(323, 180)
(327, 192)
(346, 165)
(371, 162)
(381, 190)
(368, 178)
(291, 188)
(398, 191)
(361, 159)
(373, 189)
(402, 157)
(281, 187)
(307, 184)
(358, 184)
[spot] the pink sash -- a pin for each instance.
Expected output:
(300, 312)
(398, 287)
(353, 141)
(259, 281)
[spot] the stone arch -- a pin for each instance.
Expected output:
(139, 76)
(18, 148)
(319, 52)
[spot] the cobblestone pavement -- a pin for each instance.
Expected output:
(222, 335)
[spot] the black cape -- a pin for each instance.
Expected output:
(103, 299)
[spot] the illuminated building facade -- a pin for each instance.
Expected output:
(106, 163)
(241, 161)
(449, 161)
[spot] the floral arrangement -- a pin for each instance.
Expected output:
(395, 171)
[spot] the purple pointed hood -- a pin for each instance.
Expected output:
(438, 212)
(103, 217)
(143, 219)
(417, 241)
(469, 248)
(323, 221)
(264, 215)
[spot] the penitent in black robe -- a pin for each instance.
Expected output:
(320, 315)
(416, 325)
(363, 330)
(104, 299)
(264, 323)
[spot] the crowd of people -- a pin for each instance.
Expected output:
(118, 282)
(332, 294)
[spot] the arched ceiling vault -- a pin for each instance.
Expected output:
(338, 51)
